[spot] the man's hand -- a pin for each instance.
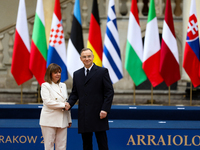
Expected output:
(67, 106)
(103, 114)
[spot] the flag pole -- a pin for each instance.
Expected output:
(169, 94)
(21, 94)
(38, 93)
(134, 94)
(151, 94)
(190, 93)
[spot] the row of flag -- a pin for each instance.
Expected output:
(33, 60)
(156, 62)
(109, 55)
(29, 60)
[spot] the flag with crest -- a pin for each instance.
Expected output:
(57, 49)
(191, 59)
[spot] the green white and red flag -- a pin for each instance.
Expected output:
(152, 48)
(134, 47)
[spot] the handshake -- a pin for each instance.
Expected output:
(67, 106)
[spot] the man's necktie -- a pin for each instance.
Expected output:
(87, 72)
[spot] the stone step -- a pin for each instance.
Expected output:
(121, 97)
(159, 97)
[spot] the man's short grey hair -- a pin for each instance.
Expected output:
(85, 49)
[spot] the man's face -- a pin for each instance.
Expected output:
(87, 58)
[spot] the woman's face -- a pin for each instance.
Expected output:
(56, 76)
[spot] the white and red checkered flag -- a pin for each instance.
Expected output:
(56, 35)
(57, 50)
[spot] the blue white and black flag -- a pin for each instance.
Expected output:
(75, 44)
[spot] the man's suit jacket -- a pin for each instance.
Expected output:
(95, 93)
(54, 97)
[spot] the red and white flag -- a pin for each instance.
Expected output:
(21, 51)
(169, 60)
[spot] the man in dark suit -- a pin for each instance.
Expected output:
(93, 87)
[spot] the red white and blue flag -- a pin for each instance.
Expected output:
(191, 59)
(57, 50)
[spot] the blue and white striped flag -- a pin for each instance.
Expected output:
(111, 51)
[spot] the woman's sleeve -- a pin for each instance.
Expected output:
(69, 116)
(48, 100)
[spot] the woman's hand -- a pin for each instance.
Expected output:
(70, 124)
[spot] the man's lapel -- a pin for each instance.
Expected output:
(91, 73)
(82, 74)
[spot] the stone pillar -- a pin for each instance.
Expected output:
(48, 15)
(186, 13)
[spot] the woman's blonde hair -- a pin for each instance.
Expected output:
(51, 68)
